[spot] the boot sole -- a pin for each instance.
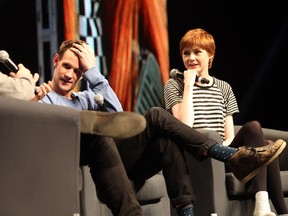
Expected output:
(117, 125)
(256, 171)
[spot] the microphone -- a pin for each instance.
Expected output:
(174, 73)
(4, 58)
(99, 100)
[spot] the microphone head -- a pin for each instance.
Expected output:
(99, 99)
(176, 74)
(3, 56)
(173, 73)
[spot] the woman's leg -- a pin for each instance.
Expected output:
(251, 134)
(274, 187)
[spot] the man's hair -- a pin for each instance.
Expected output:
(67, 44)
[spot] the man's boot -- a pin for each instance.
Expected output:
(248, 161)
(112, 124)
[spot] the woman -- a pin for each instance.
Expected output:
(211, 106)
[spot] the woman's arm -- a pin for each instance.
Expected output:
(228, 130)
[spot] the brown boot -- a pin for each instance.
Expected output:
(248, 161)
(116, 124)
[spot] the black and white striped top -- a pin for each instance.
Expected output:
(211, 103)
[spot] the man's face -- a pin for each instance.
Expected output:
(67, 73)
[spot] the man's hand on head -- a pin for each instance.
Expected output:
(85, 54)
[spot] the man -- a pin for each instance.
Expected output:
(21, 85)
(158, 147)
(99, 152)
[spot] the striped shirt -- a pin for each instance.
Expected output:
(211, 103)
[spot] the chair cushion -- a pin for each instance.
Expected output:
(236, 190)
(284, 179)
(152, 190)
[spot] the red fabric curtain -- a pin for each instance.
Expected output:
(122, 20)
(70, 20)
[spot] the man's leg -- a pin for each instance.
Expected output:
(245, 162)
(177, 176)
(152, 156)
(108, 173)
(161, 122)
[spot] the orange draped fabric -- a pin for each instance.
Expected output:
(155, 26)
(70, 19)
(71, 28)
(121, 22)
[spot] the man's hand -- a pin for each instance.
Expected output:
(24, 72)
(42, 90)
(85, 54)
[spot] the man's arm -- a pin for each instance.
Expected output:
(21, 85)
(99, 84)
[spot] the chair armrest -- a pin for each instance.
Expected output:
(39, 154)
(208, 181)
(273, 135)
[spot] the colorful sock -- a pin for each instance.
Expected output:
(187, 210)
(221, 152)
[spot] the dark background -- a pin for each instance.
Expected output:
(19, 32)
(251, 52)
(251, 48)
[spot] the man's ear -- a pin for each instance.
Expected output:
(55, 59)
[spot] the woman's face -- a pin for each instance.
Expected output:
(195, 58)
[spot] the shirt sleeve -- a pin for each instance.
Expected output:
(173, 93)
(19, 88)
(99, 84)
(230, 101)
